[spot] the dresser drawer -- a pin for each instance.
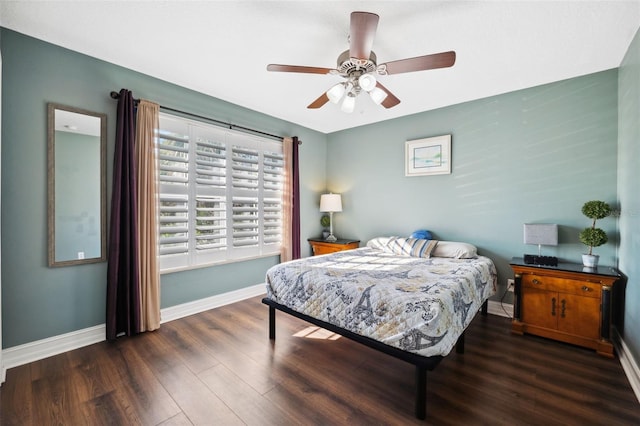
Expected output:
(562, 285)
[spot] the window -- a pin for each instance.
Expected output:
(220, 194)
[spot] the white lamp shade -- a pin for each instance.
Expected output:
(378, 95)
(367, 82)
(349, 103)
(545, 234)
(330, 203)
(335, 93)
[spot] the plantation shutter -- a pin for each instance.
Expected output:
(273, 175)
(220, 194)
(245, 165)
(173, 169)
(210, 194)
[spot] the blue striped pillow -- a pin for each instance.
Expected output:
(415, 247)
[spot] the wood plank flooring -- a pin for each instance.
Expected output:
(220, 368)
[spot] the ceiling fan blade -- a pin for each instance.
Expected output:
(390, 101)
(361, 34)
(420, 63)
(298, 68)
(323, 99)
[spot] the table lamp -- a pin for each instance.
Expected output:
(542, 234)
(330, 203)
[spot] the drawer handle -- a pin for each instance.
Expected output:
(535, 281)
(585, 288)
(564, 307)
(553, 306)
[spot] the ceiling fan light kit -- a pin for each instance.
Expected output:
(350, 89)
(359, 64)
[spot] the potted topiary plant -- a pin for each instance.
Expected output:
(592, 236)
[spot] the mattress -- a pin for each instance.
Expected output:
(419, 305)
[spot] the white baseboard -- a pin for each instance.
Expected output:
(190, 308)
(629, 364)
(40, 349)
(500, 309)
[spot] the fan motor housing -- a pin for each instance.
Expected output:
(347, 65)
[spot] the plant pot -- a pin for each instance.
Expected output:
(590, 260)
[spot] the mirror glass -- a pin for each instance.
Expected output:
(76, 185)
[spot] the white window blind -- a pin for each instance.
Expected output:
(220, 194)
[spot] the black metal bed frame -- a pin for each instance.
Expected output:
(422, 364)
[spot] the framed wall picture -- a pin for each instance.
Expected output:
(429, 156)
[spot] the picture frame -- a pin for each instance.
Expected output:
(428, 156)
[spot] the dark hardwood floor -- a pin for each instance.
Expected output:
(219, 367)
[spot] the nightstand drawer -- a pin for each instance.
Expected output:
(319, 246)
(562, 285)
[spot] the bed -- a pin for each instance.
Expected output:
(410, 298)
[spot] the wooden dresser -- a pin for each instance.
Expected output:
(320, 246)
(567, 302)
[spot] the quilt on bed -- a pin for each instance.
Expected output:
(418, 305)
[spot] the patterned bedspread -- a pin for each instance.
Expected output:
(415, 304)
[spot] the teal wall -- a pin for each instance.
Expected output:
(40, 302)
(629, 189)
(533, 155)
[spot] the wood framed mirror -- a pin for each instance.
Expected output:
(76, 173)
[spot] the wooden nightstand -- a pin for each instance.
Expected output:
(320, 246)
(567, 302)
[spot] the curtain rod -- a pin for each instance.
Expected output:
(116, 95)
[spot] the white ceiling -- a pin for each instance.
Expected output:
(222, 48)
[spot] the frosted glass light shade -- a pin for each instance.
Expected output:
(335, 93)
(367, 82)
(330, 203)
(349, 103)
(378, 95)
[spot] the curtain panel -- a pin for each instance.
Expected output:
(291, 201)
(147, 215)
(287, 201)
(123, 294)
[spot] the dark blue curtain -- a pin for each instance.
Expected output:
(123, 293)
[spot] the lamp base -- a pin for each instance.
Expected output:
(533, 259)
(331, 238)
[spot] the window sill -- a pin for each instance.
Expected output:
(216, 263)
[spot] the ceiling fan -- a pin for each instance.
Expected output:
(358, 66)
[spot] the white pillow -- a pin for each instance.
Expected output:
(378, 242)
(455, 250)
(414, 247)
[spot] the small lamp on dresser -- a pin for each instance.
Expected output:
(541, 234)
(330, 203)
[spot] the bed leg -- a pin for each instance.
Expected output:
(485, 308)
(421, 392)
(460, 344)
(272, 322)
